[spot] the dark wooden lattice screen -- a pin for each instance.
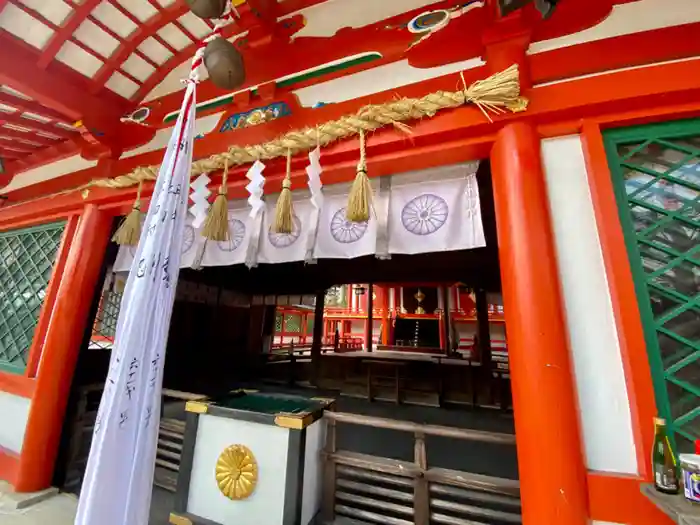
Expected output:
(26, 262)
(657, 178)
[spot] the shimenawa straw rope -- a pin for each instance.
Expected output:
(495, 94)
(129, 231)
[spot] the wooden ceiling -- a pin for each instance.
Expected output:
(72, 72)
(71, 69)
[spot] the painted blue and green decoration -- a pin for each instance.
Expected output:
(287, 81)
(656, 172)
(256, 116)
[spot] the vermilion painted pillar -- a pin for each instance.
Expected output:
(383, 293)
(64, 336)
(369, 320)
(550, 457)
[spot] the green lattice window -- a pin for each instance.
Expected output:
(104, 327)
(657, 179)
(278, 322)
(292, 323)
(26, 262)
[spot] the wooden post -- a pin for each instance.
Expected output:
(292, 363)
(483, 329)
(369, 324)
(384, 305)
(421, 489)
(329, 475)
(304, 327)
(446, 321)
(317, 341)
(544, 396)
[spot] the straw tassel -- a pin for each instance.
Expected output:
(216, 225)
(360, 198)
(284, 214)
(129, 231)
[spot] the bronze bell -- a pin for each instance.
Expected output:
(224, 63)
(207, 8)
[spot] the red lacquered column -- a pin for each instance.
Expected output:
(550, 457)
(61, 347)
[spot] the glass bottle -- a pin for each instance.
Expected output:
(663, 460)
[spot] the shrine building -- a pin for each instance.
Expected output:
(525, 286)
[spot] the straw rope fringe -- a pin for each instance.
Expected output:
(216, 225)
(284, 212)
(495, 94)
(360, 198)
(129, 231)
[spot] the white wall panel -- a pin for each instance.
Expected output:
(14, 411)
(600, 380)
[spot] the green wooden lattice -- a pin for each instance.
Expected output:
(656, 172)
(292, 323)
(104, 327)
(26, 261)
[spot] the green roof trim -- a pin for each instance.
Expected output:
(287, 81)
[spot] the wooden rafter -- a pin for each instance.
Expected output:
(61, 90)
(30, 106)
(144, 31)
(57, 29)
(26, 137)
(34, 125)
(77, 17)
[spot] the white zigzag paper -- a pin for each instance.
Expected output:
(200, 198)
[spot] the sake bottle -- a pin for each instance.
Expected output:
(663, 460)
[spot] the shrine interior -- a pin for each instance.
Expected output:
(228, 332)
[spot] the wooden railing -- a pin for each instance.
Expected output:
(171, 435)
(392, 492)
(170, 438)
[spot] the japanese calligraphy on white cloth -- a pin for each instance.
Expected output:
(119, 476)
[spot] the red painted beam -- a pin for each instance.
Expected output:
(10, 153)
(248, 20)
(34, 125)
(562, 105)
(57, 40)
(57, 87)
(174, 61)
(55, 28)
(30, 106)
(44, 156)
(16, 146)
(648, 47)
(27, 137)
(145, 30)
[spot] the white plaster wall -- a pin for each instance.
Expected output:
(376, 80)
(326, 18)
(625, 19)
(14, 411)
(49, 171)
(597, 361)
